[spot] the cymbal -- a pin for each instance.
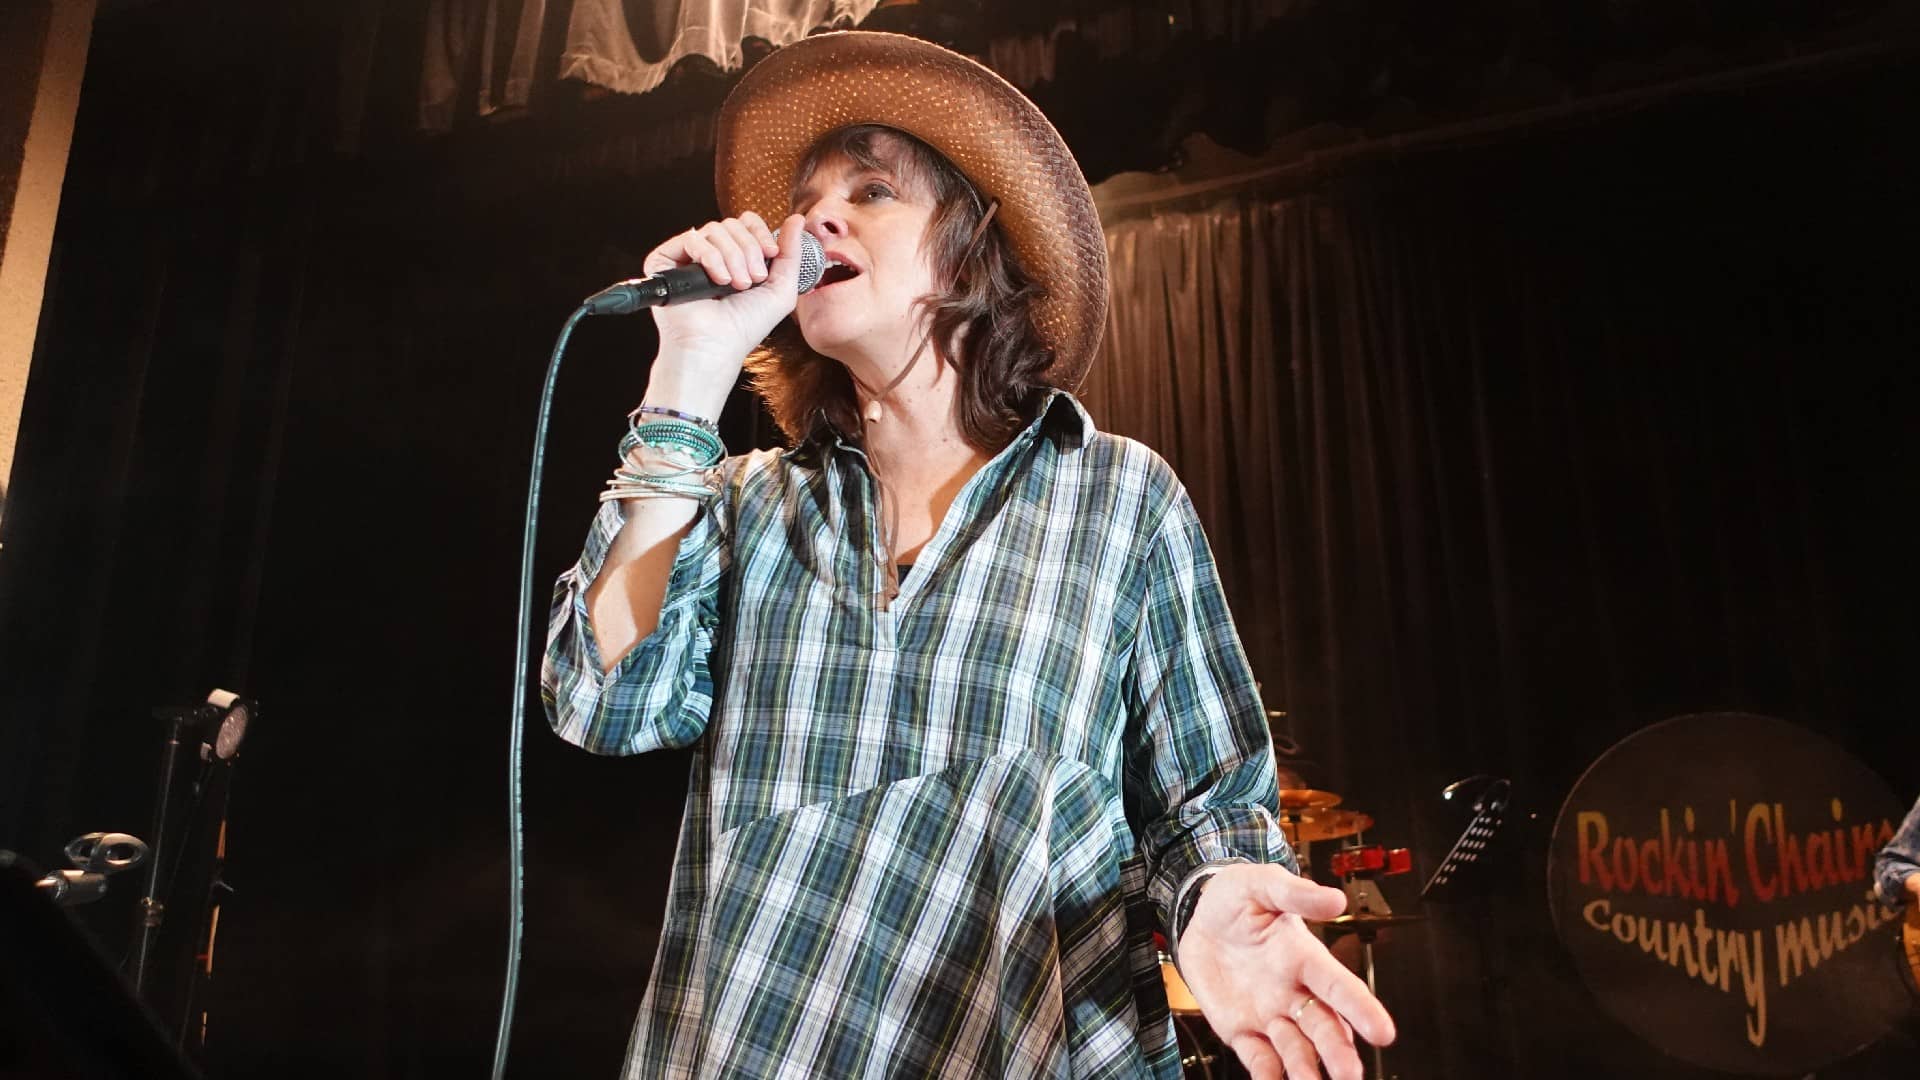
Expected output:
(1306, 826)
(1364, 924)
(1307, 799)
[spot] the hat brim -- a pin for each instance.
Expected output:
(980, 122)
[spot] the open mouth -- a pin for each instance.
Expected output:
(836, 273)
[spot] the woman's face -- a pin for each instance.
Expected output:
(874, 223)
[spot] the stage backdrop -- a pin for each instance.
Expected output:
(1508, 452)
(1506, 449)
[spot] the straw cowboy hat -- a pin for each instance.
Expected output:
(988, 129)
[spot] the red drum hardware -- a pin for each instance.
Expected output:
(1374, 860)
(1358, 868)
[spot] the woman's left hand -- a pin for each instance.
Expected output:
(1267, 986)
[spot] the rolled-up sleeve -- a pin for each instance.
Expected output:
(1899, 860)
(660, 693)
(1202, 787)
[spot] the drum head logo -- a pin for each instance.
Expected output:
(1712, 877)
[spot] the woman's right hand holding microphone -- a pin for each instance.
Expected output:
(704, 343)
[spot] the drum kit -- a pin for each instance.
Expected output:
(1308, 816)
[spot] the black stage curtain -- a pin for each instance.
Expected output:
(1506, 450)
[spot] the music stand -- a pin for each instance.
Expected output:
(1454, 879)
(1464, 875)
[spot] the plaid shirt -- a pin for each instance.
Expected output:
(931, 837)
(1899, 860)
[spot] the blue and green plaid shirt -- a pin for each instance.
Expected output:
(930, 837)
(1899, 860)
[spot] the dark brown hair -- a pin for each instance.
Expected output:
(981, 309)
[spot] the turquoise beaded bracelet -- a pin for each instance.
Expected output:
(702, 445)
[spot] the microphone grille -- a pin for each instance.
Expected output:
(813, 262)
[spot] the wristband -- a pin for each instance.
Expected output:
(1186, 898)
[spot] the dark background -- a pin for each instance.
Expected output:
(281, 412)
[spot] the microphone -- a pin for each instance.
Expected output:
(692, 283)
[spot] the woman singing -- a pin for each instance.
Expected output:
(970, 720)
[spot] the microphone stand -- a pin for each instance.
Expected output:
(153, 908)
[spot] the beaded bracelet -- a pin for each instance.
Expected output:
(672, 414)
(662, 459)
(703, 446)
(675, 429)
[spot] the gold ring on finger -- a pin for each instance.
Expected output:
(1301, 1008)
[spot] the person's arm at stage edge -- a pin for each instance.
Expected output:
(1896, 872)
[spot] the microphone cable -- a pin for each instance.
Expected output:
(621, 298)
(516, 742)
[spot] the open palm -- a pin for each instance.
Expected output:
(1267, 986)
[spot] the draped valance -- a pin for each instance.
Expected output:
(631, 47)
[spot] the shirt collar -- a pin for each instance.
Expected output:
(1061, 415)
